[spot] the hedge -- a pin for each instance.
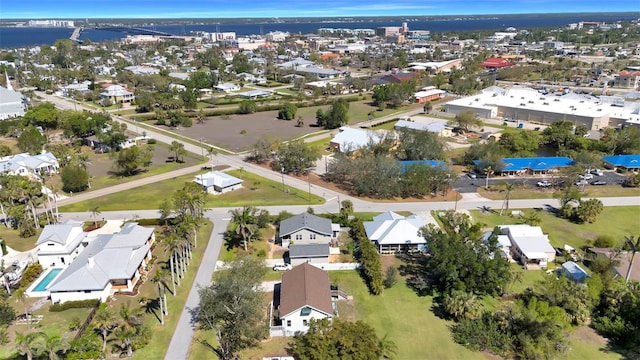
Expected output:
(78, 304)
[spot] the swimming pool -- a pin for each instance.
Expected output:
(44, 283)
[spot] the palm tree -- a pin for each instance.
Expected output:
(461, 304)
(53, 344)
(95, 212)
(160, 279)
(244, 222)
(634, 246)
(21, 297)
(300, 122)
(171, 244)
(178, 149)
(29, 344)
(508, 187)
(130, 322)
(104, 323)
(388, 348)
(211, 152)
(488, 171)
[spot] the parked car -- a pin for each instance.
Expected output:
(586, 176)
(597, 172)
(599, 182)
(472, 175)
(544, 183)
(582, 182)
(282, 267)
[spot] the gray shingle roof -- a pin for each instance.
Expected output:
(307, 251)
(305, 221)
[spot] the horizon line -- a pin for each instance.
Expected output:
(631, 13)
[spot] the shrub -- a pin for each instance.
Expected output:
(74, 178)
(605, 241)
(7, 314)
(3, 246)
(152, 141)
(74, 305)
(261, 253)
(390, 277)
(30, 274)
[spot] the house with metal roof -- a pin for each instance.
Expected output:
(110, 263)
(12, 103)
(305, 294)
(217, 182)
(59, 244)
(304, 229)
(439, 127)
(393, 233)
(352, 139)
(116, 94)
(29, 165)
(574, 272)
(529, 245)
(623, 161)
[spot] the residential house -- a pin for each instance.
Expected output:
(12, 103)
(352, 139)
(116, 94)
(227, 87)
(305, 294)
(529, 245)
(622, 261)
(310, 253)
(217, 182)
(628, 79)
(32, 166)
(110, 263)
(393, 233)
(304, 229)
(439, 127)
(497, 63)
(427, 94)
(59, 244)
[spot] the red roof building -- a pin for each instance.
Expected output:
(496, 63)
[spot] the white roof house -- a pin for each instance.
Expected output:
(59, 244)
(529, 244)
(349, 139)
(110, 263)
(440, 127)
(12, 103)
(218, 182)
(26, 164)
(117, 93)
(393, 233)
(227, 87)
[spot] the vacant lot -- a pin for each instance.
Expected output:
(240, 132)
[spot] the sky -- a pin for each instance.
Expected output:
(31, 9)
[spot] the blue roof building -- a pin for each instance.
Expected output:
(406, 164)
(623, 161)
(574, 272)
(534, 164)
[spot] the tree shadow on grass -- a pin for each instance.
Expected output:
(232, 240)
(151, 306)
(414, 271)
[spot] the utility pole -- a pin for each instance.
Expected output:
(282, 172)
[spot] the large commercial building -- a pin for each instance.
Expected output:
(526, 104)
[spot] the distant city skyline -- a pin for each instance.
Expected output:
(68, 9)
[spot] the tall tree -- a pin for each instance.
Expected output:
(508, 188)
(466, 119)
(244, 223)
(177, 148)
(29, 344)
(104, 322)
(634, 246)
(232, 307)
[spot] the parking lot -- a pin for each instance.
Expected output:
(465, 184)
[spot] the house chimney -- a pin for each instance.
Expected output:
(90, 261)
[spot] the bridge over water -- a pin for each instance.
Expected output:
(123, 29)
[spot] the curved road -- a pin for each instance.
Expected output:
(183, 334)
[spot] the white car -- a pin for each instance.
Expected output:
(597, 172)
(282, 267)
(586, 176)
(582, 182)
(544, 183)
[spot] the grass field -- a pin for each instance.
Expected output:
(265, 192)
(495, 192)
(615, 221)
(16, 242)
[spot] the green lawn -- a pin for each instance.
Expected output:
(404, 317)
(16, 242)
(496, 192)
(266, 192)
(386, 126)
(616, 221)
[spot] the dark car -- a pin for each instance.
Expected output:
(599, 182)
